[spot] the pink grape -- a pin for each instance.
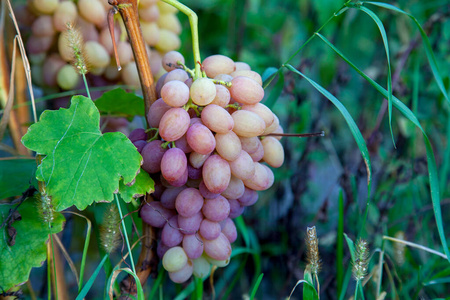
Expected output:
(175, 93)
(205, 192)
(243, 166)
(235, 208)
(246, 90)
(248, 198)
(154, 214)
(229, 230)
(189, 225)
(216, 173)
(173, 164)
(219, 248)
(209, 230)
(217, 118)
(183, 274)
(152, 154)
(189, 202)
(200, 139)
(174, 124)
(171, 235)
(216, 209)
(193, 246)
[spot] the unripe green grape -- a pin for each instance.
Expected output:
(96, 55)
(46, 7)
(168, 41)
(202, 267)
(174, 259)
(203, 91)
(170, 22)
(92, 11)
(151, 33)
(67, 78)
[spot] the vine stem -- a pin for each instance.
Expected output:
(193, 21)
(124, 228)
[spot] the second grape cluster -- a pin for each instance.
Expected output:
(209, 146)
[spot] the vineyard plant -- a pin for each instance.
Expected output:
(224, 149)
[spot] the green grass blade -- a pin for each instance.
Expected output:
(427, 45)
(307, 283)
(256, 286)
(386, 48)
(114, 274)
(351, 246)
(432, 169)
(124, 228)
(186, 292)
(340, 244)
(82, 294)
(348, 118)
(157, 283)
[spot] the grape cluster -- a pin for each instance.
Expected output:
(209, 142)
(52, 52)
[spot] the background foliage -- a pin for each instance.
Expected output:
(320, 172)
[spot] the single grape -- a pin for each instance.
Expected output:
(229, 230)
(92, 11)
(202, 267)
(189, 225)
(154, 214)
(261, 180)
(200, 139)
(241, 66)
(175, 93)
(203, 91)
(66, 12)
(174, 124)
(174, 259)
(173, 164)
(197, 160)
(235, 188)
(193, 246)
(152, 154)
(247, 123)
(243, 166)
(137, 134)
(228, 145)
(217, 119)
(222, 97)
(246, 90)
(67, 78)
(216, 209)
(219, 248)
(170, 60)
(189, 202)
(218, 64)
(216, 173)
(43, 26)
(273, 152)
(168, 41)
(209, 230)
(170, 22)
(171, 235)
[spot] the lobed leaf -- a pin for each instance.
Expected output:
(30, 247)
(143, 184)
(81, 164)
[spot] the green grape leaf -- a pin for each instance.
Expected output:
(120, 103)
(29, 247)
(81, 164)
(143, 184)
(16, 176)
